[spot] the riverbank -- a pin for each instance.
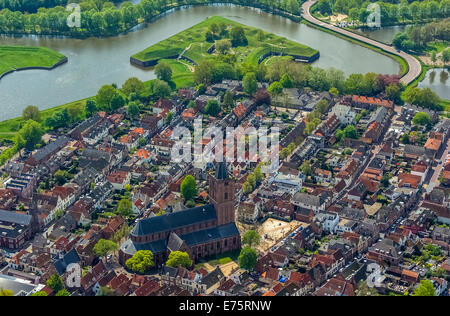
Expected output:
(414, 66)
(19, 58)
(404, 68)
(142, 20)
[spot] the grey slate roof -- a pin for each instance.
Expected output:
(208, 235)
(174, 242)
(18, 288)
(62, 264)
(59, 143)
(15, 218)
(175, 220)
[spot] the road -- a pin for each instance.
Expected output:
(414, 66)
(434, 181)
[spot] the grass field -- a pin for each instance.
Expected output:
(192, 41)
(17, 57)
(9, 128)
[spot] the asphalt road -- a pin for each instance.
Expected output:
(414, 65)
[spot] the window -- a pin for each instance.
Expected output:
(226, 195)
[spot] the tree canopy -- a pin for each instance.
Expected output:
(188, 188)
(247, 258)
(178, 258)
(425, 288)
(251, 238)
(141, 262)
(104, 247)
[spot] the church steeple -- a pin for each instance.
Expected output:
(221, 171)
(222, 194)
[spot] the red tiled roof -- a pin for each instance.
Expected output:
(433, 144)
(410, 179)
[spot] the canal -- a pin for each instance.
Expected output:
(94, 62)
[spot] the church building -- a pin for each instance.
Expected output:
(201, 231)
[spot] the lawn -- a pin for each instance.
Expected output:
(17, 57)
(193, 43)
(10, 127)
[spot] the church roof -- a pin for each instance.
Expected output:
(191, 239)
(174, 220)
(208, 235)
(221, 171)
(175, 242)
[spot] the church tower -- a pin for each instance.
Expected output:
(222, 194)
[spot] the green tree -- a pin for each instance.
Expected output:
(141, 261)
(421, 118)
(251, 238)
(60, 177)
(223, 46)
(90, 108)
(393, 92)
(425, 288)
(104, 247)
(133, 109)
(163, 71)
(55, 283)
(247, 187)
(286, 81)
(31, 132)
(249, 83)
(5, 292)
(63, 292)
(188, 188)
(203, 73)
(117, 102)
(334, 91)
(445, 56)
(104, 97)
(247, 258)
(228, 99)
(350, 132)
(160, 89)
(252, 180)
(169, 117)
(133, 85)
(31, 112)
(39, 293)
(212, 108)
(237, 36)
(306, 167)
(364, 290)
(433, 57)
(404, 139)
(178, 258)
(125, 208)
(275, 88)
(322, 106)
(423, 98)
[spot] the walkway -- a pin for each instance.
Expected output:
(414, 65)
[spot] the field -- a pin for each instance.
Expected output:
(17, 57)
(191, 43)
(9, 128)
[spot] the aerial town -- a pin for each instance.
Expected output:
(93, 203)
